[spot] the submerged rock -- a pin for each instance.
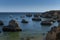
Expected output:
(24, 21)
(1, 23)
(36, 19)
(13, 26)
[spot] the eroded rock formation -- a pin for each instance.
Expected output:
(13, 26)
(53, 34)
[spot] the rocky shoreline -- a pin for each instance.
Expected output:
(53, 34)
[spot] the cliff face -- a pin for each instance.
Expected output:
(53, 34)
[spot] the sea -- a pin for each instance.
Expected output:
(33, 30)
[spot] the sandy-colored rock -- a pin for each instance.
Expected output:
(53, 34)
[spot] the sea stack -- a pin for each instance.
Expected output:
(13, 26)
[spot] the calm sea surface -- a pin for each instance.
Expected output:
(32, 30)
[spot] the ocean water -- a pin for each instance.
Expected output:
(31, 31)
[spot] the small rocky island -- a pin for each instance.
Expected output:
(24, 21)
(13, 26)
(36, 19)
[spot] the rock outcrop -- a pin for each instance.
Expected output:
(53, 34)
(13, 26)
(51, 14)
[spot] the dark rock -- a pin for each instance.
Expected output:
(7, 29)
(58, 36)
(58, 20)
(29, 15)
(36, 19)
(24, 21)
(51, 14)
(53, 29)
(46, 23)
(12, 27)
(1, 23)
(0, 31)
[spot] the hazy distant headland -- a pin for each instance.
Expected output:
(52, 11)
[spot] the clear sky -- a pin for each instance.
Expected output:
(29, 5)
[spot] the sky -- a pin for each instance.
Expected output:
(29, 5)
